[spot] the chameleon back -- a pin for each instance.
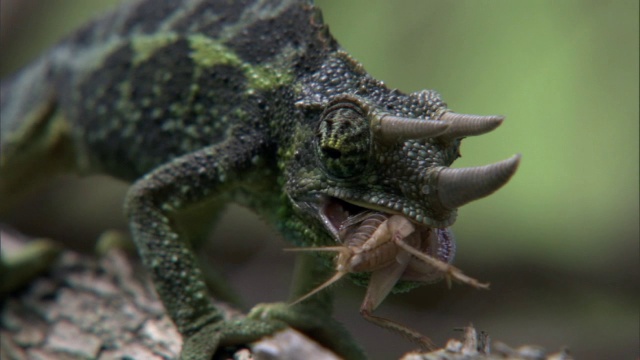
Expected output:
(154, 80)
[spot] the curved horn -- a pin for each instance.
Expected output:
(395, 128)
(457, 187)
(462, 125)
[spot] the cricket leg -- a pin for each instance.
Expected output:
(380, 284)
(425, 264)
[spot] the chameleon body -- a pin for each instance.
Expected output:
(249, 101)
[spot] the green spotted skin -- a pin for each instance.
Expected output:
(187, 74)
(238, 101)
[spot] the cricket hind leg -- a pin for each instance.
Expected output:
(380, 284)
(411, 264)
(404, 331)
(423, 267)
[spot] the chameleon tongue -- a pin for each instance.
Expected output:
(336, 214)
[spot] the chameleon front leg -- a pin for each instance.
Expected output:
(312, 316)
(151, 206)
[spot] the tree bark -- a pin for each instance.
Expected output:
(85, 307)
(106, 308)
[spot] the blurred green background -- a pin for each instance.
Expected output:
(559, 243)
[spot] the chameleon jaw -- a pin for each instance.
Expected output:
(337, 214)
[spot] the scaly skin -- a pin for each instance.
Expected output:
(246, 101)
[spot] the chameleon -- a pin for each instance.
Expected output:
(252, 102)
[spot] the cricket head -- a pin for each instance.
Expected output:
(368, 147)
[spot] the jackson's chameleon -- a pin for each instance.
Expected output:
(248, 101)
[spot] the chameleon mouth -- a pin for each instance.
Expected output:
(336, 212)
(340, 217)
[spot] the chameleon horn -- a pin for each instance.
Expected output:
(457, 187)
(392, 129)
(462, 125)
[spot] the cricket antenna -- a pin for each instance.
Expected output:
(344, 254)
(337, 276)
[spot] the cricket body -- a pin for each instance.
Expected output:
(391, 249)
(253, 102)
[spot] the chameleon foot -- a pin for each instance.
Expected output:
(313, 322)
(23, 262)
(114, 239)
(203, 343)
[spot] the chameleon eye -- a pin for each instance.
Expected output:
(343, 139)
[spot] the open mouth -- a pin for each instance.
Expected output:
(336, 213)
(340, 216)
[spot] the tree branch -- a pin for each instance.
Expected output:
(86, 308)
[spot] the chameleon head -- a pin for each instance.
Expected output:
(391, 152)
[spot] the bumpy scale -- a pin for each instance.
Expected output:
(249, 101)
